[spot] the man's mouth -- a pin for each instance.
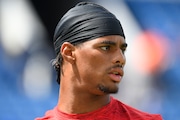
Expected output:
(116, 74)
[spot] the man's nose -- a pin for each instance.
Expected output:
(119, 58)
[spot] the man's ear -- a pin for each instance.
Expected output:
(67, 52)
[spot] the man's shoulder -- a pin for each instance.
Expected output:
(134, 113)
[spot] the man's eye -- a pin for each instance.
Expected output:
(105, 48)
(123, 50)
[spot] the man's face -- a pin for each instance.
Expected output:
(99, 64)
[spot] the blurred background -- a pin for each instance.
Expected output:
(28, 85)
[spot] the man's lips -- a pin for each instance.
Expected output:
(116, 74)
(116, 78)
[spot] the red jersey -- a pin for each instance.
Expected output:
(115, 110)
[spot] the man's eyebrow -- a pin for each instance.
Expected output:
(109, 42)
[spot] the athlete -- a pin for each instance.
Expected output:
(90, 45)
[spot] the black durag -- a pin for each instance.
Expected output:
(86, 21)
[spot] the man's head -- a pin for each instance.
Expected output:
(84, 22)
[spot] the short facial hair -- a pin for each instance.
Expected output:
(106, 89)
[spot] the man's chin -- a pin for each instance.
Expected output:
(113, 91)
(108, 90)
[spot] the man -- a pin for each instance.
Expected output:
(90, 45)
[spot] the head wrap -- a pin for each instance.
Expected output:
(86, 21)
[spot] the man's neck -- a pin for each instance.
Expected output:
(76, 104)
